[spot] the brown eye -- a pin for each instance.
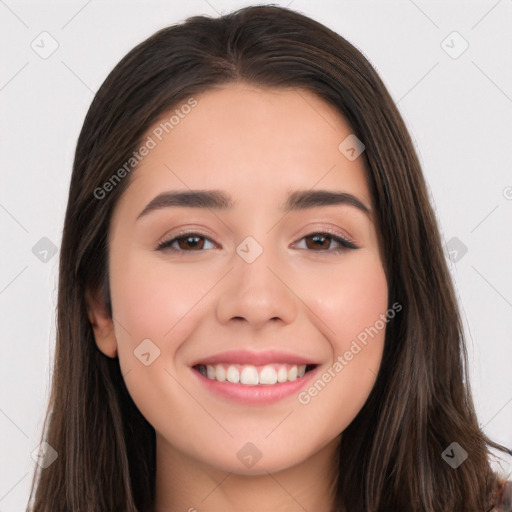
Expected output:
(188, 242)
(196, 242)
(319, 242)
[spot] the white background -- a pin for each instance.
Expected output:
(459, 112)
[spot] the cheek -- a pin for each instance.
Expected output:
(349, 297)
(160, 302)
(153, 298)
(155, 301)
(352, 307)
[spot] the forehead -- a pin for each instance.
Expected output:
(257, 143)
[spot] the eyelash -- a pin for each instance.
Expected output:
(345, 244)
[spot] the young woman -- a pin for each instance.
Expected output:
(255, 311)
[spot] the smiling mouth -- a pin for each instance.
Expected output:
(252, 375)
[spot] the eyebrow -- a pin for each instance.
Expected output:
(218, 200)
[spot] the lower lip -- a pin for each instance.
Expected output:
(261, 394)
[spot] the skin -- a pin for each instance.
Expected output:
(257, 145)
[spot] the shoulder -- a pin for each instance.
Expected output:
(503, 501)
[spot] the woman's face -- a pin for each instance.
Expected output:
(247, 285)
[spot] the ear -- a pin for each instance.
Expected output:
(101, 322)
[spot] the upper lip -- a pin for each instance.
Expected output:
(254, 357)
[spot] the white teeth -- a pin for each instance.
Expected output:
(232, 375)
(268, 375)
(210, 372)
(220, 373)
(282, 374)
(251, 375)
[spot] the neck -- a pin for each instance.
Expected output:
(188, 485)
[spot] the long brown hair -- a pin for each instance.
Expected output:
(391, 453)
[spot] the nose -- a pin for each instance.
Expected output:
(257, 293)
